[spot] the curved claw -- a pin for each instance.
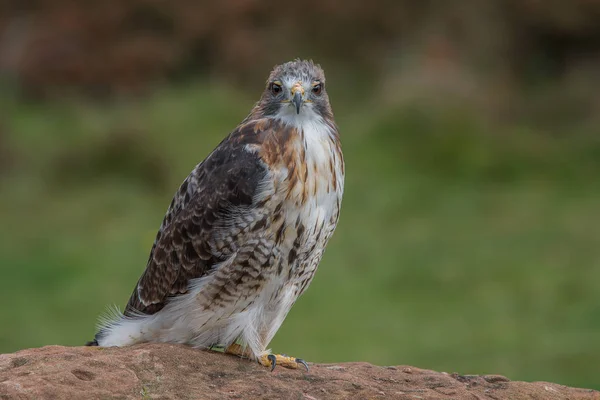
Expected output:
(301, 361)
(273, 360)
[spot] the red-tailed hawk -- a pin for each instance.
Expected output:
(245, 232)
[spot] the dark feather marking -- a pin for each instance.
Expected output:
(293, 254)
(261, 224)
(299, 232)
(262, 203)
(278, 208)
(279, 234)
(245, 264)
(333, 174)
(304, 284)
(318, 237)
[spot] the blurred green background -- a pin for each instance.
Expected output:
(469, 239)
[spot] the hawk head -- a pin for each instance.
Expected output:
(295, 90)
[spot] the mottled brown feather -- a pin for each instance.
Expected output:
(185, 244)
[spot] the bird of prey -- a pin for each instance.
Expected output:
(245, 232)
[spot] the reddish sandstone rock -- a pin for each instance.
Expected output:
(162, 371)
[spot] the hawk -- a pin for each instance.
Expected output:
(245, 232)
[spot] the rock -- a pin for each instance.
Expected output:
(165, 371)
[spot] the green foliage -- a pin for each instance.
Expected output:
(456, 250)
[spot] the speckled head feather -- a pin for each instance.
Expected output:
(305, 70)
(303, 76)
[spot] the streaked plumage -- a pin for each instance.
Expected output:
(246, 230)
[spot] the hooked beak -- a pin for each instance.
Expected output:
(297, 94)
(297, 100)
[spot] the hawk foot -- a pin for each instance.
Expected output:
(268, 360)
(272, 360)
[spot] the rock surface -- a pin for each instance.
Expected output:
(162, 371)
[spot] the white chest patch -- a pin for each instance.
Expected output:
(315, 201)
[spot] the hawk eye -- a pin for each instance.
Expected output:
(317, 89)
(276, 88)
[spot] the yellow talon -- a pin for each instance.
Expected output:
(272, 360)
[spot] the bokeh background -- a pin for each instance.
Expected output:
(469, 238)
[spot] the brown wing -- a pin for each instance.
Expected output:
(185, 248)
